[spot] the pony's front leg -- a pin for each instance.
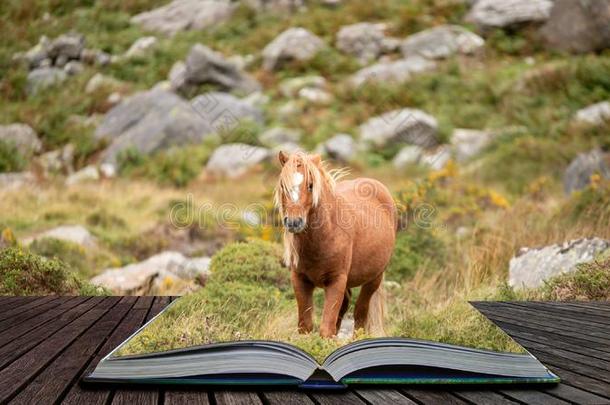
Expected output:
(334, 292)
(303, 291)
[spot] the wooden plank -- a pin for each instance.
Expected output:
(186, 397)
(600, 306)
(576, 395)
(16, 347)
(18, 373)
(554, 340)
(236, 398)
(582, 382)
(14, 310)
(10, 303)
(566, 312)
(548, 325)
(582, 369)
(532, 397)
(484, 397)
(59, 375)
(333, 398)
(15, 331)
(89, 395)
(286, 397)
(128, 396)
(546, 318)
(384, 396)
(433, 396)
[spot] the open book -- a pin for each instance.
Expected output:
(367, 361)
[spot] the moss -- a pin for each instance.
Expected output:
(25, 273)
(590, 281)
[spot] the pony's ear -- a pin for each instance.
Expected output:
(282, 157)
(315, 159)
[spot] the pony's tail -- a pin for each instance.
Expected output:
(374, 322)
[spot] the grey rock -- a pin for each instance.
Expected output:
(438, 158)
(39, 53)
(43, 78)
(58, 160)
(293, 44)
(391, 72)
(406, 125)
(341, 147)
(74, 67)
(23, 137)
(578, 174)
(145, 277)
(291, 87)
(363, 40)
(177, 75)
(595, 114)
(578, 26)
(15, 180)
(316, 96)
(205, 66)
(441, 42)
(182, 15)
(61, 61)
(68, 45)
(489, 14)
(95, 57)
(88, 173)
(157, 119)
(70, 233)
(141, 47)
(467, 143)
(99, 81)
(234, 160)
(276, 6)
(407, 156)
(533, 266)
(277, 135)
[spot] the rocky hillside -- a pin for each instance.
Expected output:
(489, 119)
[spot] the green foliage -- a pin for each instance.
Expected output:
(10, 158)
(176, 166)
(255, 262)
(69, 253)
(591, 281)
(590, 205)
(25, 273)
(104, 219)
(416, 248)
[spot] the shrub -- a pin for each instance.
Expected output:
(591, 281)
(10, 158)
(255, 262)
(25, 273)
(415, 248)
(69, 253)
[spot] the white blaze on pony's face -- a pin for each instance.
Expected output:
(298, 189)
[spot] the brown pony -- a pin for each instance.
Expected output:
(338, 235)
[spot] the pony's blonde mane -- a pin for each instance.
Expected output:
(319, 176)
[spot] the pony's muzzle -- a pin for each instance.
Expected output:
(294, 225)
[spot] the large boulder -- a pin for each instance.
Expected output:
(182, 15)
(595, 114)
(235, 159)
(363, 40)
(533, 266)
(578, 26)
(441, 42)
(578, 174)
(489, 14)
(158, 119)
(341, 147)
(22, 136)
(406, 125)
(42, 78)
(205, 66)
(467, 143)
(407, 156)
(70, 233)
(293, 44)
(391, 72)
(146, 277)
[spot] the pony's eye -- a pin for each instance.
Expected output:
(310, 187)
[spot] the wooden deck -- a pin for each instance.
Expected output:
(48, 343)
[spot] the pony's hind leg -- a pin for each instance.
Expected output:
(344, 307)
(361, 312)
